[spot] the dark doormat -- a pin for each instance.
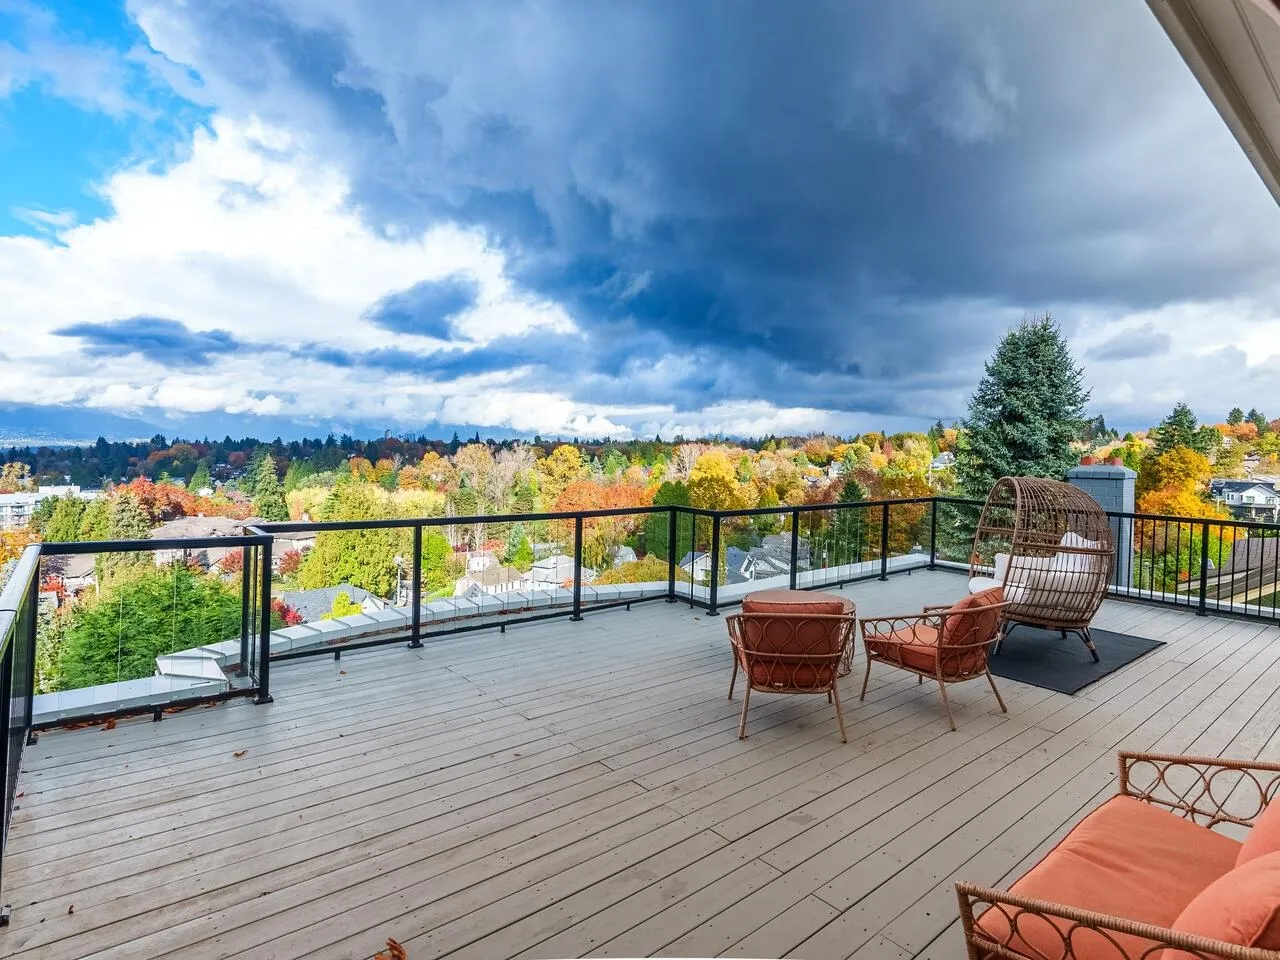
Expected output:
(1043, 659)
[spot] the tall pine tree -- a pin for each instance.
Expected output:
(1027, 410)
(268, 497)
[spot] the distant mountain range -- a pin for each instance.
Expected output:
(24, 425)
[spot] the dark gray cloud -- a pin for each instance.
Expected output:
(163, 341)
(1133, 344)
(427, 308)
(844, 202)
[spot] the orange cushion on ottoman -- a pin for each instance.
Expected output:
(1126, 859)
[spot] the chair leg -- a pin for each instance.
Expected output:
(834, 694)
(733, 679)
(946, 703)
(999, 699)
(866, 677)
(919, 679)
(828, 696)
(742, 724)
(1087, 637)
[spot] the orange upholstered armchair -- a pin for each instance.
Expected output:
(946, 644)
(785, 644)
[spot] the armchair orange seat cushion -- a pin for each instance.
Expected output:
(1128, 859)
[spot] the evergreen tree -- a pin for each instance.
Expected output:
(297, 472)
(1178, 429)
(95, 522)
(849, 528)
(1257, 419)
(268, 497)
(64, 523)
(1235, 417)
(129, 521)
(1028, 408)
(201, 479)
(656, 532)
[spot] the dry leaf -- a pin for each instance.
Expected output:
(342, 673)
(110, 724)
(397, 952)
(239, 753)
(71, 909)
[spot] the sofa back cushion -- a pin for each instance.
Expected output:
(1264, 836)
(1242, 907)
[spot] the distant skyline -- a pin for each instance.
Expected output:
(291, 217)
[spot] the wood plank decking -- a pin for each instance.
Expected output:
(578, 789)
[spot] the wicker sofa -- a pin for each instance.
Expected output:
(1152, 873)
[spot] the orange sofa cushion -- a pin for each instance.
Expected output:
(1126, 859)
(1264, 835)
(781, 622)
(1242, 907)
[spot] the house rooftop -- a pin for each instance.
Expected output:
(578, 789)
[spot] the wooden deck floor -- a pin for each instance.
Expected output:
(578, 789)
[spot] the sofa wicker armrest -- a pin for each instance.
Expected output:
(1206, 790)
(1077, 926)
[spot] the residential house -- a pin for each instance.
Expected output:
(315, 604)
(495, 579)
(943, 460)
(697, 565)
(1249, 575)
(478, 560)
(1247, 499)
(552, 571)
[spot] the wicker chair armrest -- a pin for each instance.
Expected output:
(1206, 790)
(1017, 910)
(875, 628)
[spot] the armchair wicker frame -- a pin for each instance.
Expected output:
(790, 653)
(913, 642)
(1060, 555)
(1200, 789)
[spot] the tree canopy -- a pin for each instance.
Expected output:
(1027, 410)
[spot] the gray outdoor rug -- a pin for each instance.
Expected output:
(1043, 659)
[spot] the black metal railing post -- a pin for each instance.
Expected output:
(264, 628)
(1202, 607)
(884, 541)
(246, 601)
(713, 582)
(795, 545)
(933, 533)
(415, 591)
(671, 555)
(577, 569)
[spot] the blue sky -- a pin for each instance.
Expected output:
(619, 219)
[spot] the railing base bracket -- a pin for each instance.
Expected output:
(576, 618)
(266, 699)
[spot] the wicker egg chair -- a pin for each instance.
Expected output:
(1049, 546)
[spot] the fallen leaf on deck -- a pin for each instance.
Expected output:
(342, 673)
(110, 724)
(71, 909)
(397, 952)
(239, 753)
